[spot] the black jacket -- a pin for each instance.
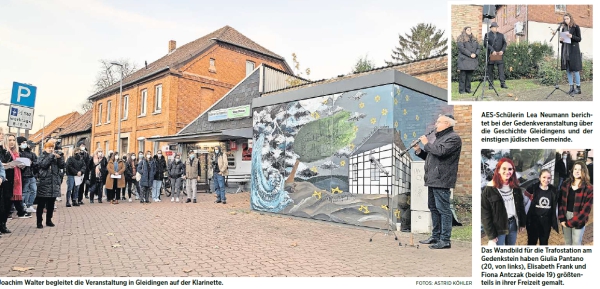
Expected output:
(7, 186)
(553, 206)
(570, 56)
(441, 159)
(161, 167)
(49, 181)
(495, 42)
(176, 169)
(465, 49)
(494, 218)
(31, 171)
(85, 156)
(75, 164)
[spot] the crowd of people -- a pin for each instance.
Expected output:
(567, 208)
(96, 176)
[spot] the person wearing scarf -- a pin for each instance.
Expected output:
(13, 181)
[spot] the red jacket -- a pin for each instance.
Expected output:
(581, 207)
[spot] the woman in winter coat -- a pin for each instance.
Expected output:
(95, 168)
(176, 173)
(541, 217)
(49, 164)
(468, 51)
(115, 180)
(570, 58)
(12, 188)
(576, 202)
(502, 208)
(146, 168)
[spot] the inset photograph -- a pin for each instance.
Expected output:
(537, 197)
(521, 52)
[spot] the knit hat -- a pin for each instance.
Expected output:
(21, 140)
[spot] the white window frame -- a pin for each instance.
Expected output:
(108, 107)
(143, 102)
(248, 71)
(100, 114)
(560, 8)
(125, 107)
(158, 98)
(518, 9)
(97, 145)
(106, 145)
(142, 146)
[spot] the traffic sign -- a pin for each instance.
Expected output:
(20, 117)
(23, 94)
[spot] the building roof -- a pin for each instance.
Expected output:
(79, 125)
(181, 55)
(60, 122)
(379, 137)
(353, 75)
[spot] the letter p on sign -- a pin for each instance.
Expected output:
(23, 94)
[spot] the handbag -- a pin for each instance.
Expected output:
(138, 177)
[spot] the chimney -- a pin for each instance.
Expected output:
(172, 45)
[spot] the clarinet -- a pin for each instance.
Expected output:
(414, 143)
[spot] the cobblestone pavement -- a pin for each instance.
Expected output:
(208, 239)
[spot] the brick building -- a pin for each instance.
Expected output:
(52, 130)
(79, 131)
(535, 23)
(163, 97)
(466, 16)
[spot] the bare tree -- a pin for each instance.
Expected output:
(108, 75)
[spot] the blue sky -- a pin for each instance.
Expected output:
(56, 45)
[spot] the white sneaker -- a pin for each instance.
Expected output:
(130, 200)
(177, 200)
(59, 199)
(172, 199)
(137, 198)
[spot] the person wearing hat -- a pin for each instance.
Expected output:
(441, 168)
(29, 182)
(496, 45)
(191, 175)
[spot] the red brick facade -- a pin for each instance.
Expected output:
(466, 16)
(508, 15)
(186, 93)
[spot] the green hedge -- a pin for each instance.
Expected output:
(548, 73)
(521, 60)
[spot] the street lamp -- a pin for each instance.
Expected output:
(43, 130)
(119, 105)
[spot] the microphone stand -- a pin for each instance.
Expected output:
(485, 75)
(389, 229)
(556, 87)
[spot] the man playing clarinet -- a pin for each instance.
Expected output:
(441, 166)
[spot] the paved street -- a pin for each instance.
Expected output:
(207, 239)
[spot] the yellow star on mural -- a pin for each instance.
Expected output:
(325, 101)
(364, 209)
(361, 105)
(396, 124)
(385, 207)
(351, 146)
(414, 134)
(395, 101)
(373, 120)
(314, 169)
(405, 136)
(355, 128)
(404, 111)
(384, 111)
(397, 91)
(342, 163)
(377, 98)
(417, 117)
(317, 116)
(336, 190)
(317, 195)
(397, 214)
(407, 98)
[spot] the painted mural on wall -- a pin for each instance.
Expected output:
(528, 163)
(311, 158)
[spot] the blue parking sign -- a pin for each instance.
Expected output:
(23, 94)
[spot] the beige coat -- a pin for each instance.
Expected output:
(111, 170)
(223, 165)
(191, 168)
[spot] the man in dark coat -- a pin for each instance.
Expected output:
(496, 45)
(146, 169)
(84, 188)
(441, 168)
(75, 168)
